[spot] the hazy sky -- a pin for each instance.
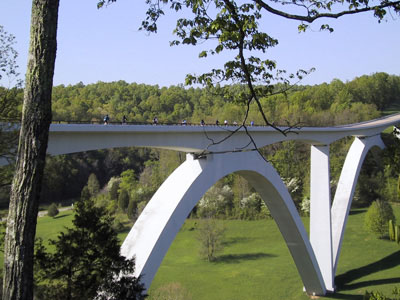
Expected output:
(105, 45)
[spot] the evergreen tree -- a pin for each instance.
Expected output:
(86, 261)
(378, 216)
(93, 184)
(123, 200)
(52, 211)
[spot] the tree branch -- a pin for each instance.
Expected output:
(310, 19)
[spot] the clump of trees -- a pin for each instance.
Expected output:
(377, 218)
(326, 104)
(332, 103)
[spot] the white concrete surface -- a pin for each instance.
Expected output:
(346, 188)
(320, 212)
(69, 138)
(160, 221)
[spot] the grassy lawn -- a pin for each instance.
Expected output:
(256, 263)
(49, 228)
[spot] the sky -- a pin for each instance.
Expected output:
(106, 45)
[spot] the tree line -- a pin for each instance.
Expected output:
(328, 104)
(335, 103)
(140, 171)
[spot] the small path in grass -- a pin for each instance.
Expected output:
(44, 212)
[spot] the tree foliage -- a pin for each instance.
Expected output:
(377, 218)
(52, 211)
(171, 291)
(86, 260)
(210, 235)
(93, 185)
(233, 26)
(10, 105)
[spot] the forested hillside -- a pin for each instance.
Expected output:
(327, 104)
(124, 179)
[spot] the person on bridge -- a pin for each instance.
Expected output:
(106, 119)
(124, 120)
(226, 122)
(202, 123)
(217, 122)
(155, 121)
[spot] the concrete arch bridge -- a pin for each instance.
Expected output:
(211, 156)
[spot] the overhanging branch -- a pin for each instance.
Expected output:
(311, 19)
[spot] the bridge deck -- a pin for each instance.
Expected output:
(69, 138)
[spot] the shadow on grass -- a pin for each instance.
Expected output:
(343, 281)
(231, 241)
(356, 212)
(59, 217)
(237, 258)
(345, 296)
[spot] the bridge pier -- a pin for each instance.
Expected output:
(320, 213)
(346, 188)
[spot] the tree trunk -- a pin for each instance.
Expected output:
(36, 119)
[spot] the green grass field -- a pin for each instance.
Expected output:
(256, 263)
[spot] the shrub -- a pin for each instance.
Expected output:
(171, 291)
(377, 218)
(210, 235)
(398, 189)
(305, 206)
(112, 187)
(391, 230)
(377, 295)
(52, 211)
(93, 185)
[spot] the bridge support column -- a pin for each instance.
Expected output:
(320, 213)
(346, 188)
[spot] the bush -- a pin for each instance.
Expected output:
(377, 218)
(210, 235)
(391, 230)
(377, 295)
(52, 211)
(171, 291)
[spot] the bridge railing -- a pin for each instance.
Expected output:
(101, 122)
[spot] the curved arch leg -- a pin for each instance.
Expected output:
(157, 226)
(346, 187)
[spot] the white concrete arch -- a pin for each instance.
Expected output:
(160, 221)
(346, 188)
